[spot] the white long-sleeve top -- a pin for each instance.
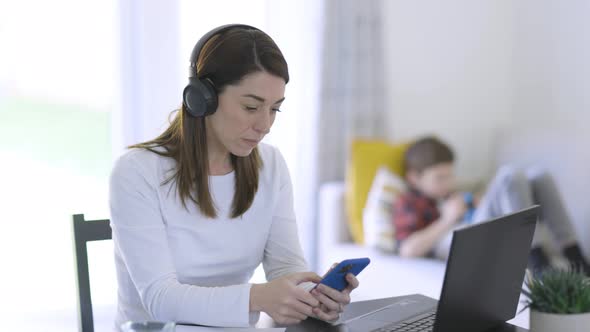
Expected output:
(175, 264)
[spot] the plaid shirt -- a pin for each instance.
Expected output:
(412, 211)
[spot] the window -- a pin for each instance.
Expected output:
(57, 91)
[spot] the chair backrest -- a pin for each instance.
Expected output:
(86, 231)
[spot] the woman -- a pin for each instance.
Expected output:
(197, 209)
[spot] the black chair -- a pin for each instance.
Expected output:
(85, 231)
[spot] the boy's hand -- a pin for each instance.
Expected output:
(453, 209)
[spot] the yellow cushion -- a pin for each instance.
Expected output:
(365, 159)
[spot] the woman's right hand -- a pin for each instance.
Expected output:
(282, 300)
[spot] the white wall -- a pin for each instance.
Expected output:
(450, 74)
(496, 75)
(551, 62)
(552, 96)
(468, 70)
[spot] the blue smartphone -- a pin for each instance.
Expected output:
(336, 277)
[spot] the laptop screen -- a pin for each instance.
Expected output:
(485, 272)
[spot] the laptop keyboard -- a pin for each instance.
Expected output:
(422, 323)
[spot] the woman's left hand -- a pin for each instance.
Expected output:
(332, 302)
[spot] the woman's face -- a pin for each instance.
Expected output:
(246, 112)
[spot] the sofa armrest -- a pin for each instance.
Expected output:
(332, 226)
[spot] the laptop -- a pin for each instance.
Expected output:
(481, 288)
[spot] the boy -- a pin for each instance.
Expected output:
(424, 229)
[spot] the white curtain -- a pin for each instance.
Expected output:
(353, 101)
(151, 70)
(296, 27)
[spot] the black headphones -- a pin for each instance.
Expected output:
(199, 96)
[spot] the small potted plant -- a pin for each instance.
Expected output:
(559, 300)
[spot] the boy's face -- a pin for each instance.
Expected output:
(436, 182)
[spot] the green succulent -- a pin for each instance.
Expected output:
(558, 291)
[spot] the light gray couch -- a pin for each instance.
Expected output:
(388, 275)
(558, 150)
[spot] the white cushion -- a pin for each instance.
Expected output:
(378, 213)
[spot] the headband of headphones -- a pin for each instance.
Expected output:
(201, 43)
(200, 96)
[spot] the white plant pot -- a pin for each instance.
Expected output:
(544, 322)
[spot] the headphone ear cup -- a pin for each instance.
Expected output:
(193, 100)
(210, 94)
(200, 98)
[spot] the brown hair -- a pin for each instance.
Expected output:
(225, 59)
(427, 152)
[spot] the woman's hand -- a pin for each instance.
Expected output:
(283, 301)
(333, 301)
